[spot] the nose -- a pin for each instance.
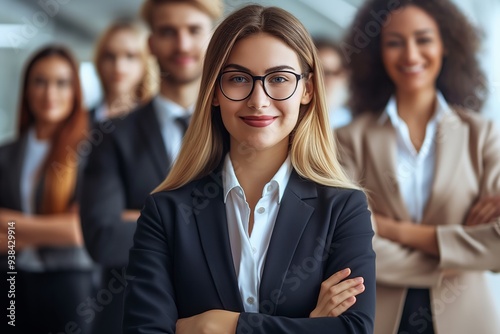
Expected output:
(120, 65)
(412, 52)
(258, 99)
(184, 41)
(51, 91)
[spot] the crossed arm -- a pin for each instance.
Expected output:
(425, 237)
(337, 294)
(41, 230)
(150, 296)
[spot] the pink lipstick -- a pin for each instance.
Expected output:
(258, 121)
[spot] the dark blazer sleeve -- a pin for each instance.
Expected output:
(150, 296)
(351, 247)
(107, 237)
(149, 300)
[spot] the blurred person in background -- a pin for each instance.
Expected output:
(335, 75)
(39, 177)
(422, 151)
(136, 155)
(126, 69)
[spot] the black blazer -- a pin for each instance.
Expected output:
(181, 263)
(128, 160)
(11, 165)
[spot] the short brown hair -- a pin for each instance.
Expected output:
(213, 8)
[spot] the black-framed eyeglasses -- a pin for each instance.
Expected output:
(278, 85)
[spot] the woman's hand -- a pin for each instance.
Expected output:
(6, 216)
(213, 321)
(337, 295)
(484, 211)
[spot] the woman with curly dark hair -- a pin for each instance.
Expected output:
(425, 156)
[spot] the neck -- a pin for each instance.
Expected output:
(45, 131)
(418, 106)
(117, 103)
(255, 168)
(182, 94)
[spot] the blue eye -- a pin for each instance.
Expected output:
(278, 80)
(239, 79)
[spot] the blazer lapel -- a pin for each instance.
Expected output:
(451, 138)
(293, 216)
(13, 185)
(151, 132)
(381, 144)
(212, 226)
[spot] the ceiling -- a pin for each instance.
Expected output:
(79, 23)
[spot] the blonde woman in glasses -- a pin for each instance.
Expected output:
(256, 226)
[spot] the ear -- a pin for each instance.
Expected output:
(308, 90)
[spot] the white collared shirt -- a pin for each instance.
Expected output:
(415, 170)
(249, 252)
(171, 131)
(101, 112)
(34, 157)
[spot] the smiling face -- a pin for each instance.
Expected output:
(412, 49)
(50, 90)
(258, 121)
(179, 38)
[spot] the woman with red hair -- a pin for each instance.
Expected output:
(38, 179)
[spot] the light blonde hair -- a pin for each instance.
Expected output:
(148, 86)
(213, 8)
(312, 146)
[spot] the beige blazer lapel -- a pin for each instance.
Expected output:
(381, 144)
(451, 142)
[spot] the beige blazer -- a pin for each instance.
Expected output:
(473, 248)
(467, 166)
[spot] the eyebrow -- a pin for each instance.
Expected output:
(418, 32)
(271, 69)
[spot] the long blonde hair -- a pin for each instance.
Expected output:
(148, 86)
(312, 146)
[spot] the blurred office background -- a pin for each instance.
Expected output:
(25, 25)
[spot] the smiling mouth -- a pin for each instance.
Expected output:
(259, 121)
(183, 60)
(412, 69)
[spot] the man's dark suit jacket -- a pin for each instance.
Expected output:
(181, 263)
(125, 165)
(127, 162)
